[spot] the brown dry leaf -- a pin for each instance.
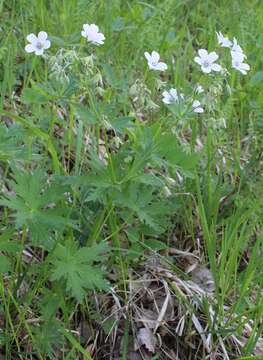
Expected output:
(147, 338)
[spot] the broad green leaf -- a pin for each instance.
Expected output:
(36, 205)
(5, 264)
(75, 266)
(85, 114)
(34, 96)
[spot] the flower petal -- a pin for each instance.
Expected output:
(148, 56)
(199, 110)
(167, 100)
(212, 56)
(94, 28)
(161, 66)
(198, 60)
(206, 69)
(100, 38)
(155, 57)
(165, 93)
(173, 93)
(39, 51)
(32, 38)
(202, 53)
(245, 66)
(216, 67)
(151, 66)
(47, 44)
(237, 56)
(42, 36)
(196, 103)
(244, 72)
(30, 48)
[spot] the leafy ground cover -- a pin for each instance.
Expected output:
(131, 185)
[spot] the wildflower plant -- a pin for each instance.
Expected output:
(106, 168)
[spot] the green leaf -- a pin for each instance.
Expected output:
(58, 41)
(257, 78)
(48, 337)
(155, 244)
(121, 123)
(5, 264)
(76, 267)
(170, 150)
(34, 130)
(84, 114)
(35, 203)
(34, 96)
(7, 245)
(149, 179)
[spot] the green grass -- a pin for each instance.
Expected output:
(94, 233)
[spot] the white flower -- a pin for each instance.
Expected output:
(223, 41)
(171, 96)
(206, 61)
(199, 89)
(238, 64)
(153, 61)
(38, 43)
(238, 58)
(197, 107)
(92, 34)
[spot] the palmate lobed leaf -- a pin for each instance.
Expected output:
(75, 266)
(10, 147)
(36, 205)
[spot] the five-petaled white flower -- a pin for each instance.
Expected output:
(153, 61)
(171, 96)
(92, 34)
(207, 61)
(197, 107)
(223, 41)
(38, 43)
(238, 64)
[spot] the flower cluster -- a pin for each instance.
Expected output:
(172, 96)
(237, 53)
(207, 61)
(39, 43)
